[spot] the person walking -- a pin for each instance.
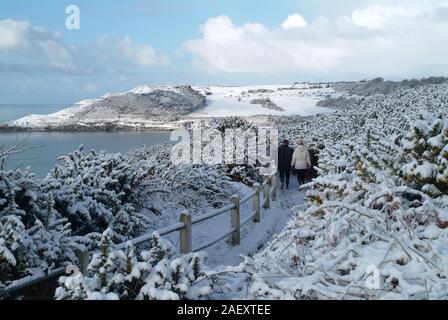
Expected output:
(284, 163)
(301, 162)
(312, 173)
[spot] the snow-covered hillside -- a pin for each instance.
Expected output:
(168, 107)
(145, 107)
(242, 101)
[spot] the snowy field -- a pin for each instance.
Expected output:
(236, 101)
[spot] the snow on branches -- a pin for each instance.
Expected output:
(43, 222)
(95, 191)
(154, 274)
(32, 237)
(375, 225)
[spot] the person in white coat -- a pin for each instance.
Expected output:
(301, 162)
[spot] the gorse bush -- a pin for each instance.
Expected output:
(154, 274)
(425, 149)
(379, 207)
(42, 223)
(32, 237)
(97, 191)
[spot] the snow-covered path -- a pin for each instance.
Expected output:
(254, 237)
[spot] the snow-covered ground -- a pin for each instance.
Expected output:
(254, 236)
(236, 101)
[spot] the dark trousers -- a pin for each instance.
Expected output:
(285, 175)
(301, 175)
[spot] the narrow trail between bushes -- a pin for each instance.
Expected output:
(254, 236)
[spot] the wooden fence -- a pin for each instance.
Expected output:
(185, 229)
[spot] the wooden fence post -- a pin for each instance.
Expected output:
(185, 233)
(235, 220)
(274, 186)
(266, 192)
(256, 203)
(84, 260)
(273, 173)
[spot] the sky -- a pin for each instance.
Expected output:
(122, 44)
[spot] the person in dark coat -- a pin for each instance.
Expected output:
(314, 163)
(284, 163)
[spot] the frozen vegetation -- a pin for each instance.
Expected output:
(42, 223)
(380, 86)
(379, 206)
(267, 103)
(374, 224)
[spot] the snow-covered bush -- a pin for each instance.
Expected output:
(232, 123)
(96, 191)
(19, 196)
(425, 149)
(191, 187)
(154, 274)
(246, 173)
(375, 224)
(32, 237)
(42, 223)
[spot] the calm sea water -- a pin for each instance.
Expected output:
(44, 148)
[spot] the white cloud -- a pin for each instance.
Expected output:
(294, 21)
(376, 40)
(34, 43)
(126, 51)
(38, 50)
(374, 16)
(253, 48)
(10, 32)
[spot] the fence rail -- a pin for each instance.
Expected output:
(185, 229)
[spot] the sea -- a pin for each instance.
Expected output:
(42, 149)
